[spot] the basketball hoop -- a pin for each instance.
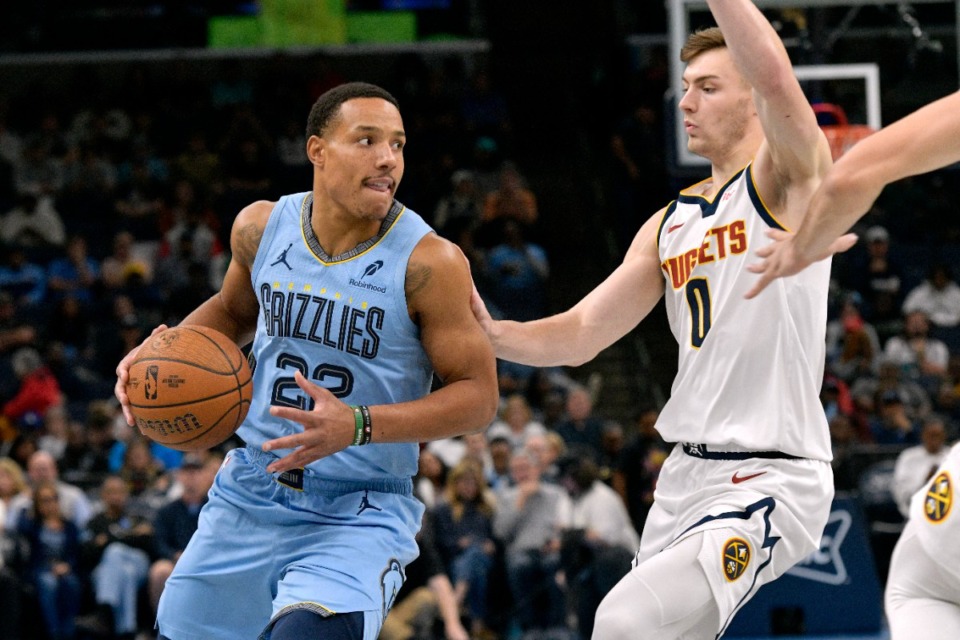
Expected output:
(840, 133)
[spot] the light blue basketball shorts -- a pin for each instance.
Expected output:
(264, 548)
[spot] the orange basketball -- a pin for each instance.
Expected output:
(189, 388)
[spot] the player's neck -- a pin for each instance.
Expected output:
(338, 231)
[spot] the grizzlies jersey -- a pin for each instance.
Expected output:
(750, 371)
(341, 321)
(935, 516)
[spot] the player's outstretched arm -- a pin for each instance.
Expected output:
(438, 289)
(925, 140)
(795, 154)
(601, 318)
(231, 311)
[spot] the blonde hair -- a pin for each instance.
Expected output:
(701, 41)
(483, 500)
(16, 473)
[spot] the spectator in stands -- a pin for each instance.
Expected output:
(33, 222)
(923, 358)
(141, 471)
(90, 465)
(53, 562)
(198, 164)
(511, 200)
(38, 173)
(542, 446)
(477, 450)
(853, 347)
(600, 541)
(516, 422)
(54, 436)
(501, 451)
(891, 424)
(916, 465)
(879, 279)
(426, 592)
(42, 469)
(176, 521)
(938, 297)
(116, 547)
(890, 376)
(431, 478)
(529, 520)
(125, 259)
(74, 274)
(13, 484)
(89, 179)
(38, 390)
(463, 533)
(845, 441)
(26, 281)
(517, 272)
(460, 207)
(635, 476)
(139, 201)
(582, 428)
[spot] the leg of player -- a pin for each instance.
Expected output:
(915, 598)
(683, 604)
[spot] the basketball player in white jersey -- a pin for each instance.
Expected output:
(922, 599)
(747, 491)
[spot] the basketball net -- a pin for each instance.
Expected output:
(840, 133)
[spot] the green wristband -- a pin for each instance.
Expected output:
(358, 425)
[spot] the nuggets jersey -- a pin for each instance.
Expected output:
(934, 514)
(341, 321)
(750, 371)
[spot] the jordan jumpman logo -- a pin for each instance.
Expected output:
(365, 503)
(283, 258)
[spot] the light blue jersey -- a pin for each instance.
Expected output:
(341, 321)
(337, 537)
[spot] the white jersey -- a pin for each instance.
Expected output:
(935, 516)
(750, 371)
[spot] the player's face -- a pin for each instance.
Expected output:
(360, 157)
(717, 104)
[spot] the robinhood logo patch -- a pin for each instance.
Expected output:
(368, 272)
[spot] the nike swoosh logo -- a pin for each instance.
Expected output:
(738, 479)
(675, 227)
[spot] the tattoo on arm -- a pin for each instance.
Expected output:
(418, 275)
(246, 244)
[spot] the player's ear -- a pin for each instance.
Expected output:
(315, 150)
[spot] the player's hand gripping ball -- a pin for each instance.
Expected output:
(189, 388)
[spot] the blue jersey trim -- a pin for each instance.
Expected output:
(759, 204)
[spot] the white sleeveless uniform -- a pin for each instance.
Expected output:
(751, 472)
(922, 597)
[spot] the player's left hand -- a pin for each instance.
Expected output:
(781, 258)
(327, 428)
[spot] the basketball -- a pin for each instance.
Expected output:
(189, 388)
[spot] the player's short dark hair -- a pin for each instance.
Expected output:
(327, 107)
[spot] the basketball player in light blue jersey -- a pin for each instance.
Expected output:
(747, 490)
(352, 303)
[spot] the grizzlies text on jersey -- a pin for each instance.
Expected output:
(342, 322)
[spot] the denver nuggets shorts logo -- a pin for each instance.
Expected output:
(936, 506)
(736, 558)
